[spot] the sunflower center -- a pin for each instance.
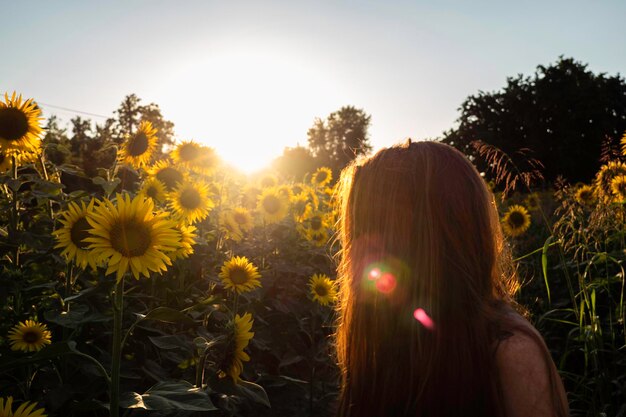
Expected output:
(189, 152)
(321, 176)
(31, 336)
(152, 192)
(80, 231)
(138, 145)
(170, 177)
(516, 219)
(131, 238)
(239, 218)
(190, 199)
(13, 124)
(297, 189)
(316, 223)
(2, 157)
(271, 204)
(239, 276)
(321, 290)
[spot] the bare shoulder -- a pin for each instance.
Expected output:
(525, 370)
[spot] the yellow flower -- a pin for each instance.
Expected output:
(322, 289)
(240, 275)
(187, 240)
(250, 196)
(300, 207)
(232, 365)
(623, 143)
(618, 186)
(154, 189)
(272, 205)
(20, 124)
(29, 336)
(605, 176)
(190, 201)
(229, 227)
(533, 201)
(139, 146)
(186, 153)
(516, 220)
(207, 163)
(314, 224)
(71, 236)
(21, 158)
(129, 236)
(26, 409)
(322, 176)
(242, 218)
(318, 238)
(168, 174)
(585, 195)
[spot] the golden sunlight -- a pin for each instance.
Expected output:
(250, 102)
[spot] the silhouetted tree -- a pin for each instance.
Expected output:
(56, 143)
(295, 163)
(562, 114)
(340, 138)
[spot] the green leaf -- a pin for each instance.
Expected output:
(169, 395)
(245, 389)
(49, 352)
(544, 264)
(170, 342)
(168, 315)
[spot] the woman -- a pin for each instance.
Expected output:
(426, 322)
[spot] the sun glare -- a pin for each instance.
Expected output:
(248, 102)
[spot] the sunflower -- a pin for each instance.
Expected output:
(139, 146)
(250, 196)
(314, 223)
(29, 336)
(232, 365)
(318, 238)
(190, 201)
(585, 195)
(618, 186)
(300, 207)
(20, 124)
(516, 220)
(21, 158)
(268, 180)
(272, 205)
(154, 189)
(186, 152)
(623, 143)
(24, 410)
(322, 289)
(206, 163)
(130, 236)
(240, 275)
(187, 240)
(242, 218)
(321, 177)
(168, 174)
(533, 202)
(229, 227)
(285, 190)
(71, 236)
(605, 176)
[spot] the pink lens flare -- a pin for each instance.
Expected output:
(421, 316)
(386, 283)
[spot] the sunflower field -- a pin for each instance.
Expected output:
(169, 284)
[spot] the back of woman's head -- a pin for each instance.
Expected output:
(421, 281)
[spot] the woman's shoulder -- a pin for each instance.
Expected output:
(526, 371)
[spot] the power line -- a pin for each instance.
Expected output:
(73, 110)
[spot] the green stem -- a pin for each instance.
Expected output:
(15, 219)
(116, 355)
(47, 178)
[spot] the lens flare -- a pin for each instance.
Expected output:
(421, 316)
(374, 274)
(386, 283)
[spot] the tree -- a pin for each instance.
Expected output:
(340, 138)
(562, 114)
(295, 163)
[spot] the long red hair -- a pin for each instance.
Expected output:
(425, 280)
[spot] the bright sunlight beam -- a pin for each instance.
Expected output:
(250, 101)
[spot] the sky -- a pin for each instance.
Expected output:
(249, 77)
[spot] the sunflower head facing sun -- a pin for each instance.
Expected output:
(240, 333)
(604, 179)
(129, 236)
(20, 124)
(321, 177)
(240, 275)
(186, 153)
(25, 409)
(188, 238)
(516, 220)
(71, 236)
(139, 146)
(154, 189)
(190, 201)
(29, 336)
(170, 175)
(618, 186)
(272, 205)
(322, 289)
(585, 195)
